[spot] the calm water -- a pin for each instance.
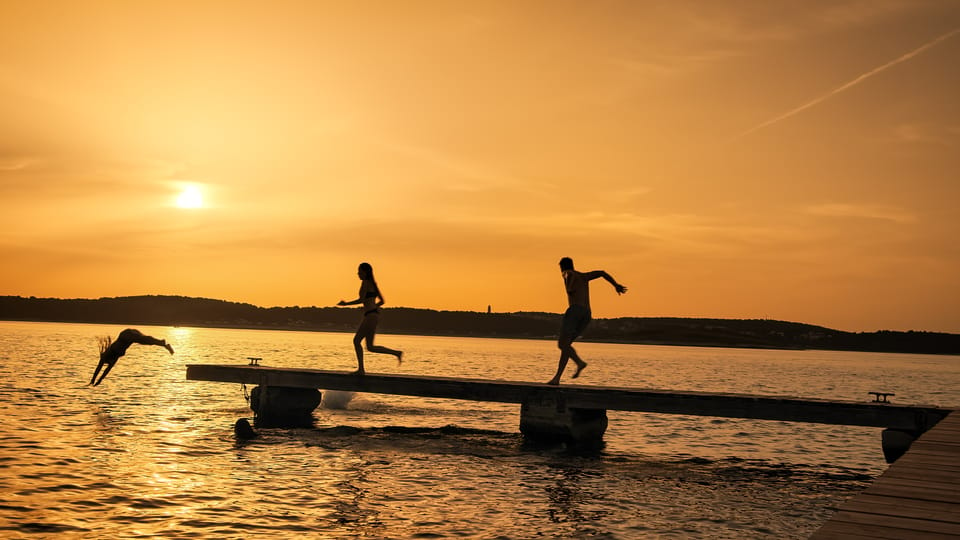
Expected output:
(149, 454)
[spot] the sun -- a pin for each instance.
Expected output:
(190, 197)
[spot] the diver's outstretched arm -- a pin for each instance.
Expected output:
(105, 371)
(99, 365)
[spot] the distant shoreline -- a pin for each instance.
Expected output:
(401, 333)
(658, 331)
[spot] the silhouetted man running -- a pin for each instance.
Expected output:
(111, 351)
(578, 315)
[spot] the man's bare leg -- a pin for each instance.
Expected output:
(564, 356)
(566, 352)
(577, 360)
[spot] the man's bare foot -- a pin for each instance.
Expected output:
(580, 367)
(553, 382)
(168, 347)
(357, 372)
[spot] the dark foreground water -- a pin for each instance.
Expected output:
(149, 454)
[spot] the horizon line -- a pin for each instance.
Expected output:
(689, 317)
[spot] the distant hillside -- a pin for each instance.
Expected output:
(184, 311)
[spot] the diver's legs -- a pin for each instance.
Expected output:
(135, 336)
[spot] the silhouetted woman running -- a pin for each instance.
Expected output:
(111, 351)
(372, 299)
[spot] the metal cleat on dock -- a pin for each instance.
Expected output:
(881, 397)
(254, 360)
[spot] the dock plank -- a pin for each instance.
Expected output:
(896, 522)
(946, 512)
(935, 452)
(934, 474)
(872, 503)
(930, 447)
(913, 493)
(923, 483)
(941, 439)
(946, 461)
(916, 497)
(856, 531)
(919, 489)
(916, 465)
(941, 475)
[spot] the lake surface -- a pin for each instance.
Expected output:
(150, 454)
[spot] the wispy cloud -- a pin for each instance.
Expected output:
(925, 134)
(861, 211)
(672, 64)
(858, 12)
(846, 86)
(15, 164)
(462, 174)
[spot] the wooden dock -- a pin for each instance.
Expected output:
(917, 419)
(918, 497)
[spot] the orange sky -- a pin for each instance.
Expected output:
(751, 159)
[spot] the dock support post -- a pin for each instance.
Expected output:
(546, 417)
(896, 442)
(284, 406)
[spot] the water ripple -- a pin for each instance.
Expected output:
(148, 454)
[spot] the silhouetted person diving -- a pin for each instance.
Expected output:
(577, 316)
(372, 299)
(111, 350)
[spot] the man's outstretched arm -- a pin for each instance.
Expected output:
(600, 273)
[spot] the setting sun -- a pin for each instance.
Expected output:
(190, 197)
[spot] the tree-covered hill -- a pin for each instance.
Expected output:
(186, 311)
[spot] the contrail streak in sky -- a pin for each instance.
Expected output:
(852, 83)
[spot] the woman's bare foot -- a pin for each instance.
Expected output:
(357, 372)
(399, 357)
(554, 381)
(580, 367)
